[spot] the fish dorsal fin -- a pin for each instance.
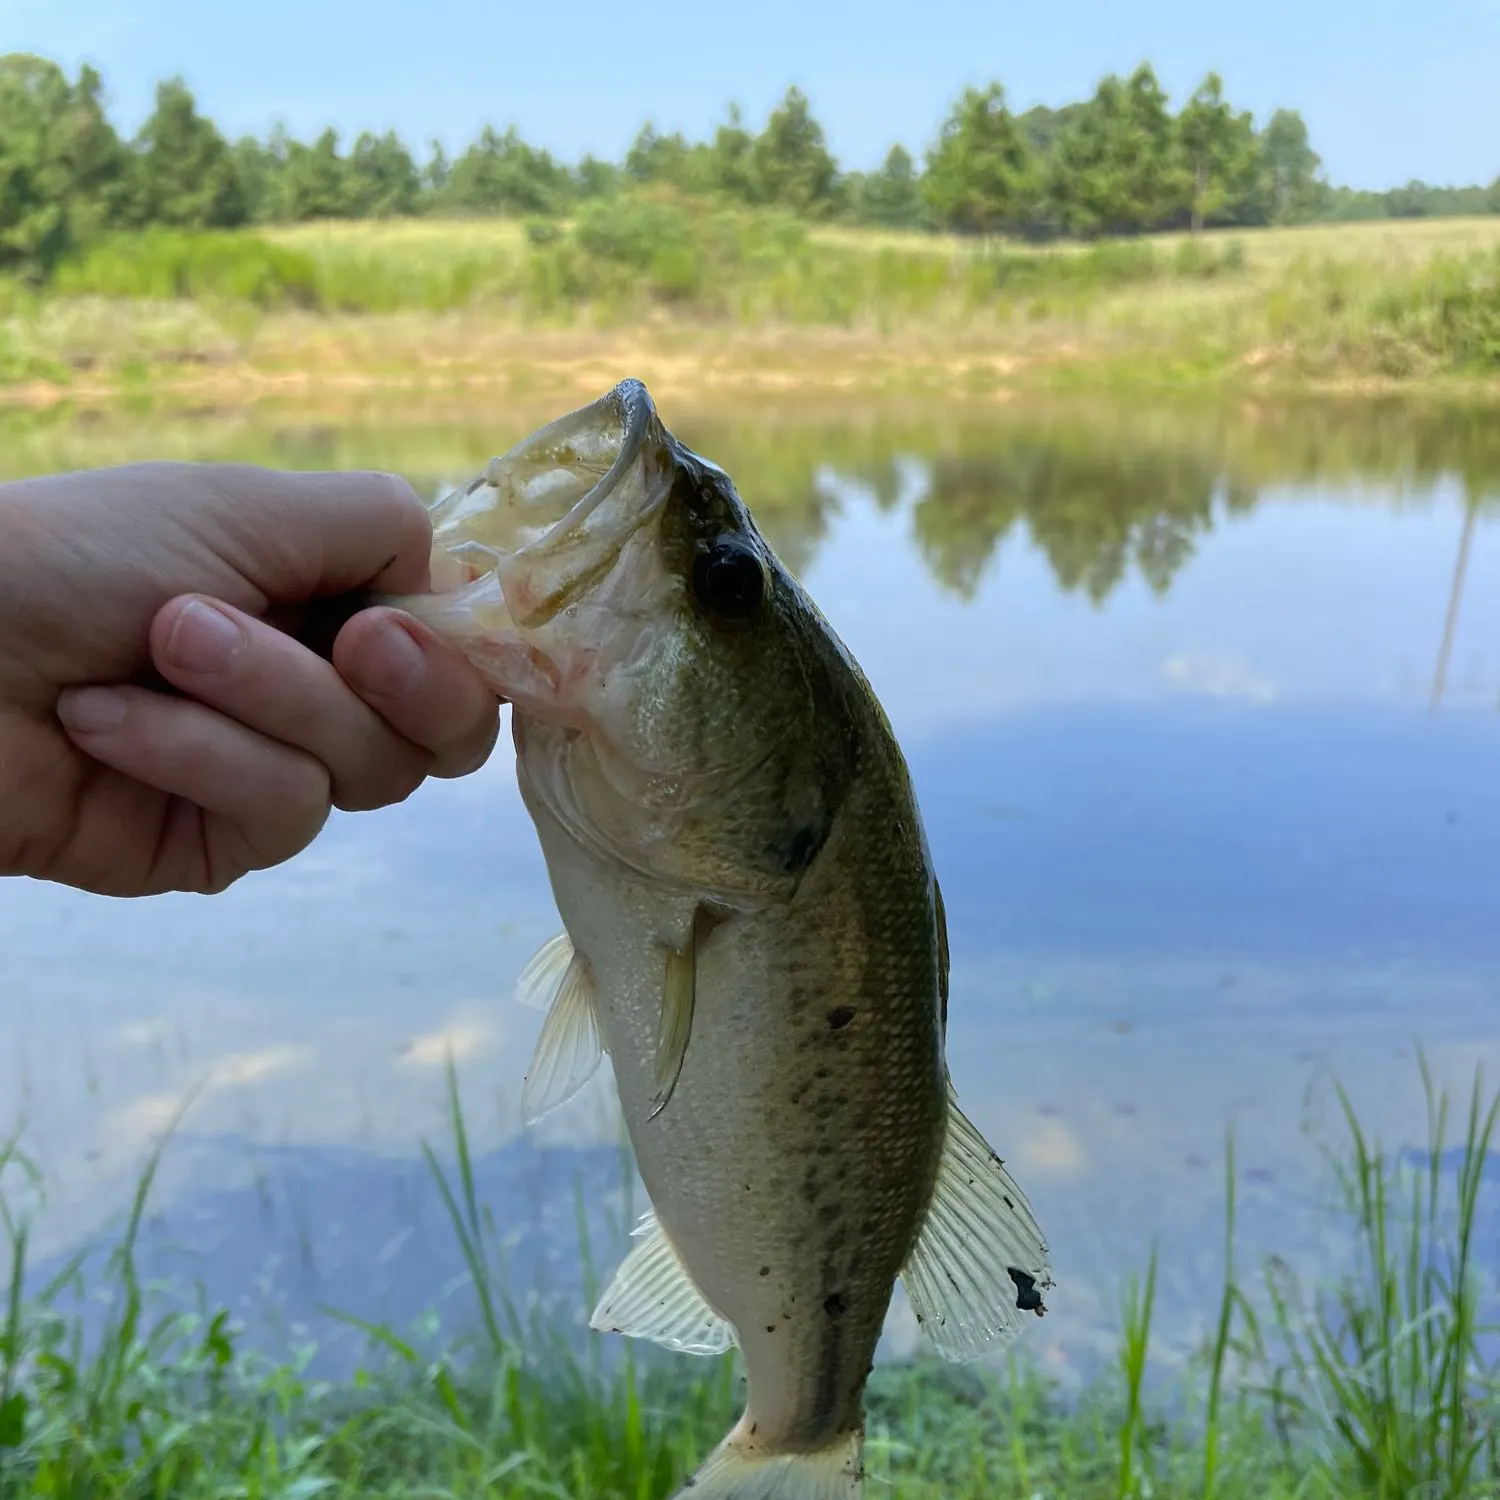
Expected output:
(569, 1049)
(675, 1024)
(652, 1297)
(980, 1261)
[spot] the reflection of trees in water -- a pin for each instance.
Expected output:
(1103, 488)
(1093, 514)
(970, 505)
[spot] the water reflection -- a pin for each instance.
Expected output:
(1164, 677)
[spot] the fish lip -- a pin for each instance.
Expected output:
(637, 412)
(628, 402)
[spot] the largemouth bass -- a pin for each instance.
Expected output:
(753, 932)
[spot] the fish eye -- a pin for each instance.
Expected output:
(729, 580)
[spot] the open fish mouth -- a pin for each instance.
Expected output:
(549, 517)
(543, 566)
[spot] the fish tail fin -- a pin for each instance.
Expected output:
(735, 1470)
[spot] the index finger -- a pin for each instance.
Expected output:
(306, 535)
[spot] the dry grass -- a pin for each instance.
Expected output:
(473, 304)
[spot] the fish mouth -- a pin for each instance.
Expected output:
(543, 569)
(549, 518)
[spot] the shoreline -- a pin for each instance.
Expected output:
(705, 367)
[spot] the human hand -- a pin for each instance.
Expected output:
(118, 586)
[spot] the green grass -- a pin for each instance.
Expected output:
(1375, 1385)
(734, 289)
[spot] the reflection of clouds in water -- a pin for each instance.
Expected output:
(1218, 677)
(460, 1041)
(140, 1123)
(1050, 1146)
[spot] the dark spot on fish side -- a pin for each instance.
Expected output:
(765, 1270)
(840, 1018)
(770, 1328)
(1008, 1203)
(1028, 1299)
(834, 1305)
(795, 853)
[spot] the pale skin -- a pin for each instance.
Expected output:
(161, 726)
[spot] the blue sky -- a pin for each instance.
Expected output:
(1391, 89)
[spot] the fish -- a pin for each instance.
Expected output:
(752, 932)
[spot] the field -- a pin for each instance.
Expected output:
(703, 301)
(1376, 1386)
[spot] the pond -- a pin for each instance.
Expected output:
(1203, 709)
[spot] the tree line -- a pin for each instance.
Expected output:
(1121, 162)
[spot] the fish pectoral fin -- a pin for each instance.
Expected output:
(539, 982)
(652, 1297)
(735, 1470)
(980, 1261)
(569, 1049)
(675, 1025)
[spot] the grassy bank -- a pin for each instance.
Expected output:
(691, 298)
(1377, 1386)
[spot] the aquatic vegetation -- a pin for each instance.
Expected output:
(1379, 1384)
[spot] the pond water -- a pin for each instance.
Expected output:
(1203, 709)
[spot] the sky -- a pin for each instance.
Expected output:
(1391, 89)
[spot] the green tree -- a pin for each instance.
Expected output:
(382, 180)
(314, 181)
(258, 169)
(1042, 126)
(893, 195)
(1221, 159)
(1291, 165)
(733, 150)
(792, 164)
(596, 178)
(438, 170)
(654, 157)
(63, 170)
(1492, 196)
(185, 172)
(503, 174)
(1115, 168)
(99, 164)
(980, 176)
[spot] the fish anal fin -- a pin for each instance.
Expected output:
(569, 1048)
(652, 1297)
(736, 1471)
(981, 1262)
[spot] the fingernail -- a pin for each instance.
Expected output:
(204, 639)
(92, 710)
(389, 663)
